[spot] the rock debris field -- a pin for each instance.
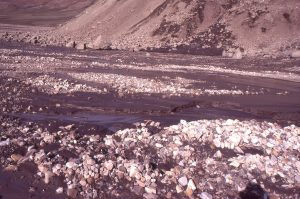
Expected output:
(193, 159)
(114, 124)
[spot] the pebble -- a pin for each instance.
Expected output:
(42, 168)
(133, 170)
(59, 190)
(72, 193)
(70, 165)
(90, 180)
(183, 181)
(5, 143)
(149, 196)
(179, 189)
(137, 190)
(237, 54)
(218, 154)
(11, 168)
(235, 139)
(90, 161)
(83, 182)
(188, 192)
(16, 157)
(219, 130)
(192, 185)
(81, 46)
(295, 54)
(228, 179)
(205, 195)
(158, 145)
(94, 138)
(109, 165)
(49, 138)
(48, 176)
(169, 195)
(69, 127)
(71, 44)
(150, 190)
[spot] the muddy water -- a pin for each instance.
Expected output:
(277, 98)
(106, 113)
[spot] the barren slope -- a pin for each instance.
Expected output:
(264, 27)
(40, 12)
(232, 28)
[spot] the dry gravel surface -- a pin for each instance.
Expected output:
(114, 124)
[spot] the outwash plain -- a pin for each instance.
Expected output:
(130, 99)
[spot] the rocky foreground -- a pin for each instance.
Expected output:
(201, 159)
